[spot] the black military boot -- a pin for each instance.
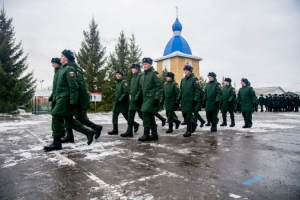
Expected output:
(97, 129)
(246, 124)
(224, 122)
(170, 130)
(136, 126)
(194, 126)
(188, 132)
(89, 134)
(177, 123)
(154, 135)
(69, 137)
(208, 123)
(202, 122)
(128, 133)
(163, 121)
(145, 136)
(114, 131)
(56, 144)
(213, 127)
(249, 123)
(232, 123)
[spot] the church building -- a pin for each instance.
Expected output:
(177, 53)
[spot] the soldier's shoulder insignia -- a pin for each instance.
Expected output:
(177, 85)
(126, 84)
(72, 73)
(197, 82)
(158, 76)
(220, 86)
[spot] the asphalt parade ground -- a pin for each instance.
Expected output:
(234, 163)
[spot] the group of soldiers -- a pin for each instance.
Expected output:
(145, 95)
(279, 103)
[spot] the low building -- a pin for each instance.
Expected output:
(268, 90)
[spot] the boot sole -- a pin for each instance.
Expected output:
(56, 149)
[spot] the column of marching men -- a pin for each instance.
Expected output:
(279, 103)
(145, 95)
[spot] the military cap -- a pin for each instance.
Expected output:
(147, 60)
(170, 74)
(245, 81)
(136, 66)
(188, 67)
(55, 60)
(212, 74)
(68, 54)
(119, 71)
(227, 80)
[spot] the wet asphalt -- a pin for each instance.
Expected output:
(234, 163)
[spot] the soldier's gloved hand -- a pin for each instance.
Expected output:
(195, 103)
(176, 105)
(228, 102)
(136, 102)
(53, 103)
(216, 103)
(155, 102)
(73, 106)
(118, 103)
(50, 99)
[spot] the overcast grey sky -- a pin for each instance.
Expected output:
(254, 39)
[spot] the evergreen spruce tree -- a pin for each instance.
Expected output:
(91, 57)
(16, 86)
(202, 82)
(134, 57)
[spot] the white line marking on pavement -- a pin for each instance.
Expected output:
(89, 174)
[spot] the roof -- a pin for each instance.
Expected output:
(42, 93)
(269, 90)
(177, 42)
(178, 54)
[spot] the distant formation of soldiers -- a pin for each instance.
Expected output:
(279, 103)
(146, 95)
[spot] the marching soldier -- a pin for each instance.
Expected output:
(228, 98)
(261, 101)
(275, 103)
(57, 66)
(133, 108)
(247, 99)
(211, 100)
(83, 104)
(65, 103)
(296, 102)
(189, 97)
(150, 91)
(197, 116)
(121, 101)
(170, 98)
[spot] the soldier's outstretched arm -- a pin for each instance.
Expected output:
(125, 91)
(158, 89)
(73, 85)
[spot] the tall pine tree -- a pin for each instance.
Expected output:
(16, 86)
(91, 57)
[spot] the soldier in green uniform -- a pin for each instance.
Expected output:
(65, 103)
(150, 91)
(57, 66)
(246, 98)
(197, 116)
(189, 97)
(133, 108)
(211, 100)
(121, 101)
(227, 103)
(170, 98)
(83, 106)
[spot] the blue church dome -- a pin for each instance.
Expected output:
(177, 42)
